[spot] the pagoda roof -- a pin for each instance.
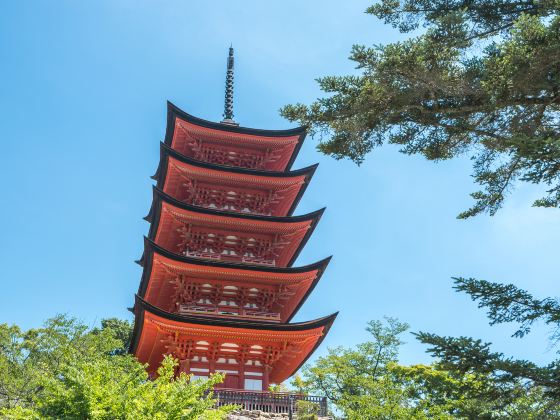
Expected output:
(157, 261)
(295, 342)
(233, 221)
(269, 179)
(165, 151)
(227, 133)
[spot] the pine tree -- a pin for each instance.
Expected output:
(482, 80)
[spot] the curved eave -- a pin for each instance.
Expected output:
(141, 306)
(151, 248)
(161, 197)
(166, 152)
(175, 112)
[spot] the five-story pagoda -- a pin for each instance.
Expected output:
(218, 288)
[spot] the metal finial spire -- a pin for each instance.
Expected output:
(228, 105)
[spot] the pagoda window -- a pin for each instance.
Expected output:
(243, 199)
(201, 345)
(202, 370)
(253, 374)
(230, 290)
(230, 345)
(217, 299)
(206, 152)
(197, 243)
(251, 362)
(239, 197)
(253, 384)
(227, 313)
(227, 371)
(204, 301)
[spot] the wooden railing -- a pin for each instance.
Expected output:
(270, 402)
(228, 311)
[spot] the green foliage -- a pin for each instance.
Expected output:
(65, 370)
(122, 330)
(367, 382)
(345, 373)
(504, 304)
(299, 384)
(482, 80)
(508, 303)
(277, 388)
(307, 410)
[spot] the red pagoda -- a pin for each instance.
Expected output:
(218, 288)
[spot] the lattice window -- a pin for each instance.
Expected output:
(239, 196)
(255, 202)
(207, 299)
(201, 352)
(253, 159)
(256, 250)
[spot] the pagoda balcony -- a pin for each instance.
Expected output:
(269, 402)
(230, 255)
(170, 280)
(242, 313)
(251, 202)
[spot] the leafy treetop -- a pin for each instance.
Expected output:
(68, 371)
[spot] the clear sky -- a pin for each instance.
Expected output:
(83, 90)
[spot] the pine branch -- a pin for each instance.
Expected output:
(508, 303)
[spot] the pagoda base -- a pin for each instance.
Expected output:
(262, 415)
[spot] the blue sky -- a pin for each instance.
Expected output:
(83, 90)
